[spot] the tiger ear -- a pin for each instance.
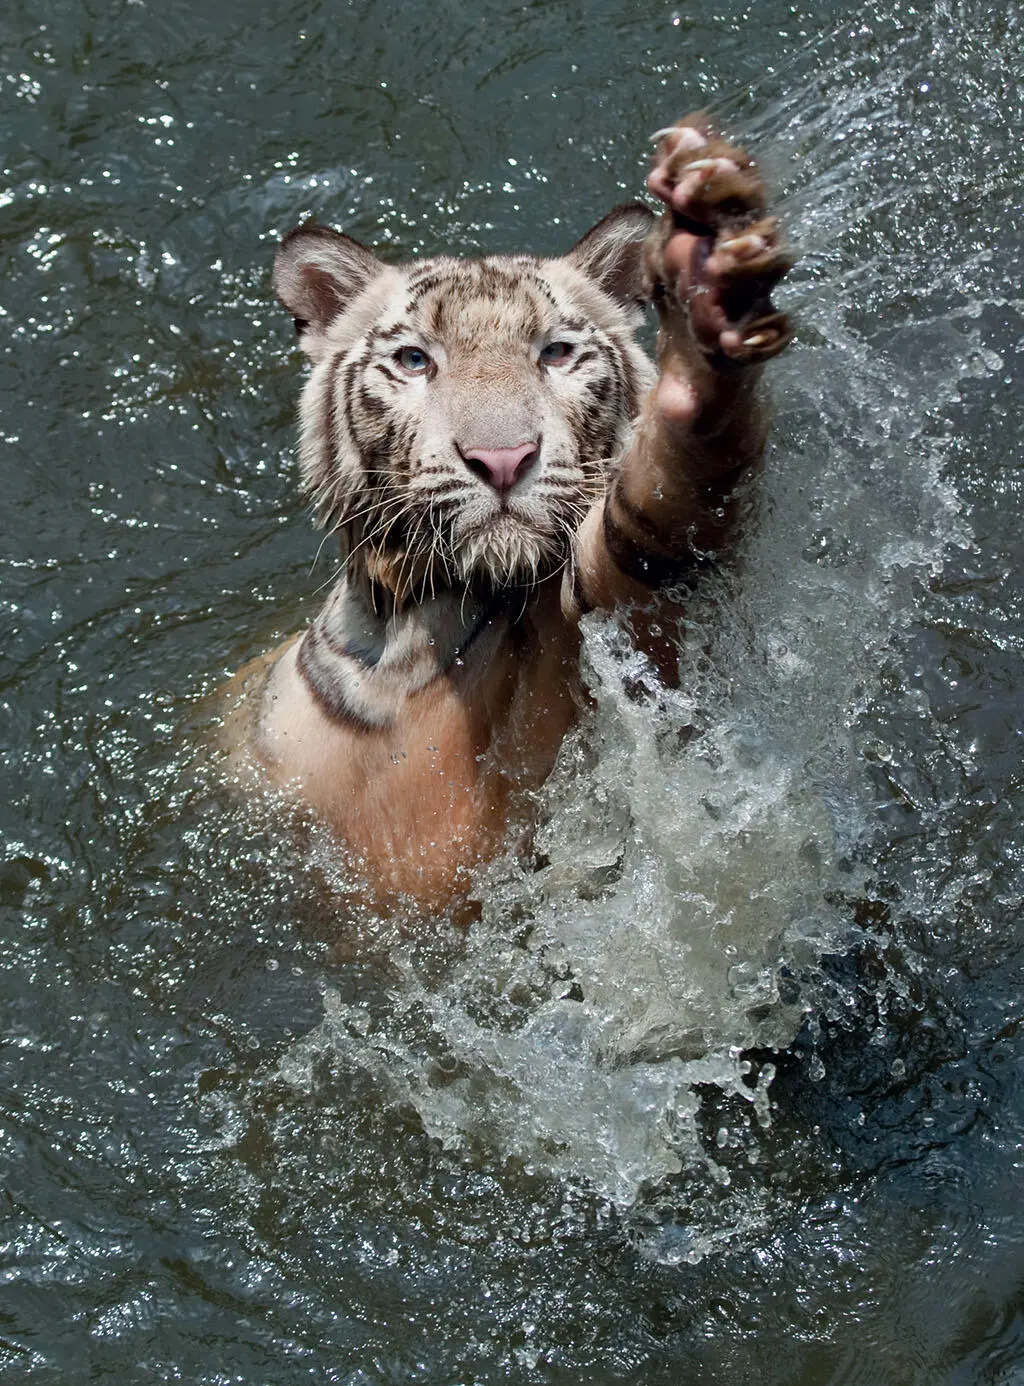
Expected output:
(612, 252)
(318, 273)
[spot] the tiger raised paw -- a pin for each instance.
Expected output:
(497, 456)
(716, 254)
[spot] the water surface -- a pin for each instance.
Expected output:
(727, 1089)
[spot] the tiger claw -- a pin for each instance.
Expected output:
(716, 251)
(757, 341)
(750, 244)
(702, 177)
(685, 136)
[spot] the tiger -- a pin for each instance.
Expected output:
(498, 456)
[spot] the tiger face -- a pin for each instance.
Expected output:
(462, 415)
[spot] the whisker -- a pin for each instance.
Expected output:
(375, 535)
(338, 570)
(409, 558)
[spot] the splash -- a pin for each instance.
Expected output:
(702, 848)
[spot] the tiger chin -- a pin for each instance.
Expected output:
(497, 455)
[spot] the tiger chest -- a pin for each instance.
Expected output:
(436, 785)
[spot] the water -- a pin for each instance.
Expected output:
(726, 1085)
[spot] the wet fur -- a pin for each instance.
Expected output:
(496, 456)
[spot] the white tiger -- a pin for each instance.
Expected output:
(498, 455)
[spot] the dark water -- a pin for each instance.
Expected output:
(781, 1136)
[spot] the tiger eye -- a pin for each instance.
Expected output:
(414, 360)
(556, 353)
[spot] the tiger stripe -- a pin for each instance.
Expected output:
(360, 672)
(384, 452)
(639, 548)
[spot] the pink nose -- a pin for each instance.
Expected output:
(501, 467)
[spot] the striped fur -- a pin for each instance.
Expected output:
(364, 656)
(383, 453)
(483, 438)
(384, 450)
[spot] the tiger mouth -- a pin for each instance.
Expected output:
(501, 522)
(509, 548)
(507, 524)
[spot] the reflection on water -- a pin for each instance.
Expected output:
(724, 1083)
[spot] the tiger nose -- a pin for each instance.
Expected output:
(501, 467)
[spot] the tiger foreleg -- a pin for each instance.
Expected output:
(711, 263)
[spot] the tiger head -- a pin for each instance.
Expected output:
(461, 415)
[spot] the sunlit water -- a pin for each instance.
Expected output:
(724, 1086)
